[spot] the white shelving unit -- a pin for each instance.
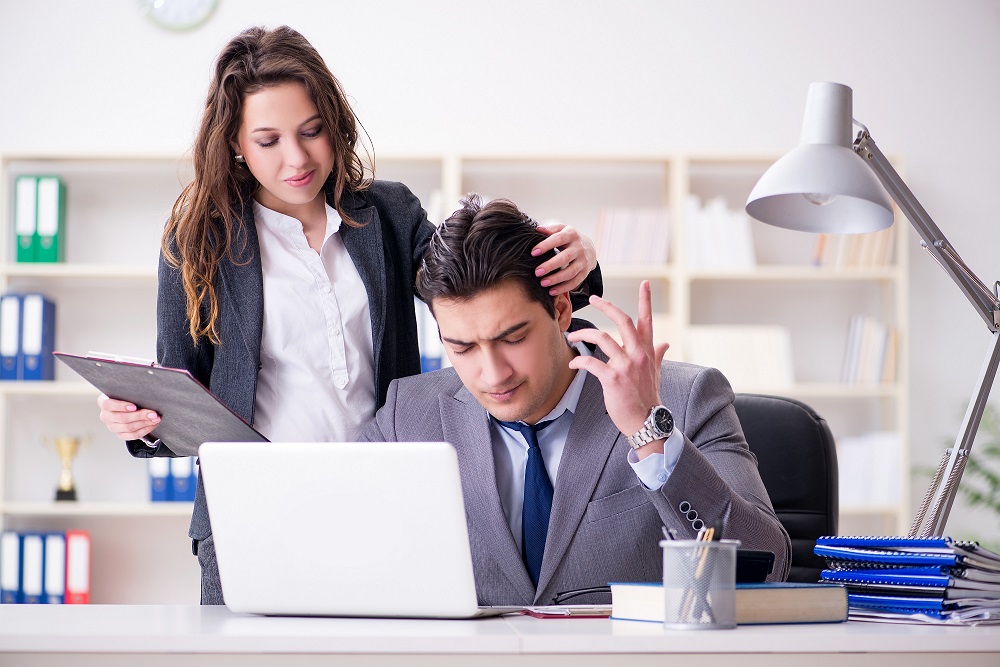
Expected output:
(105, 295)
(105, 299)
(785, 288)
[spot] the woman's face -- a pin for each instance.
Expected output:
(287, 148)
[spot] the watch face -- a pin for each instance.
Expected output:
(663, 420)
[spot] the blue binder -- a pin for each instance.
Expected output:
(32, 568)
(181, 471)
(55, 568)
(428, 339)
(10, 567)
(10, 337)
(159, 479)
(38, 331)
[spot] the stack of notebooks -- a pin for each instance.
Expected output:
(914, 579)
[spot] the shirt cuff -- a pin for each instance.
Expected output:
(654, 470)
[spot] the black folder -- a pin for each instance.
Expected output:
(189, 413)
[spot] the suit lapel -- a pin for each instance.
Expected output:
(243, 282)
(466, 425)
(364, 245)
(589, 443)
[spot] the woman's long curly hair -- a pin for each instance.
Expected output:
(203, 228)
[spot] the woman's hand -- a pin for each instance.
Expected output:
(576, 257)
(125, 420)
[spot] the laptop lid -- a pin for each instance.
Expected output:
(340, 529)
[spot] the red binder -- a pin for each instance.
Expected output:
(77, 567)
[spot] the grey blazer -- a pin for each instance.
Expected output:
(605, 525)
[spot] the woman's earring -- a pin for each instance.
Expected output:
(239, 158)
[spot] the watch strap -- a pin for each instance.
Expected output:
(649, 431)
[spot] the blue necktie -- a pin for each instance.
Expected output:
(537, 499)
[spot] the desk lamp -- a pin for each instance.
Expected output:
(830, 185)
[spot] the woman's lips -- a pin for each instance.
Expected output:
(302, 180)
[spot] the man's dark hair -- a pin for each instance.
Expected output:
(479, 247)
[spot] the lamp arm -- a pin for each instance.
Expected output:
(944, 487)
(983, 299)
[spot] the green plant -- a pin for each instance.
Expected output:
(980, 485)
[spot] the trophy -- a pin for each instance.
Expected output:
(66, 448)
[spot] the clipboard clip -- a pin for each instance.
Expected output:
(107, 356)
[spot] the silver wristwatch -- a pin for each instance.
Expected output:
(659, 424)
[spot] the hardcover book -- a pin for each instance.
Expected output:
(780, 602)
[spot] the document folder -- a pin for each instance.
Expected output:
(189, 413)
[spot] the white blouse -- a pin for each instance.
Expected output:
(317, 376)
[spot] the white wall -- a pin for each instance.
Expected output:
(632, 76)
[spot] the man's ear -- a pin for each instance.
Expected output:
(564, 311)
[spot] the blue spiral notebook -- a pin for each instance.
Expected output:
(914, 579)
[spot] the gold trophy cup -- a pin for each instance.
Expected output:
(66, 448)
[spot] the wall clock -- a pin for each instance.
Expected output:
(178, 15)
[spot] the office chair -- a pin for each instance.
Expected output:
(797, 461)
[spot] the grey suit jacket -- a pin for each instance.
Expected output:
(605, 525)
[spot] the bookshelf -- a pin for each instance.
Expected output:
(781, 285)
(105, 294)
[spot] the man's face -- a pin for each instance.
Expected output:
(508, 351)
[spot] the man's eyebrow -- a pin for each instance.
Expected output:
(503, 334)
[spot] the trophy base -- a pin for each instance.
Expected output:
(65, 495)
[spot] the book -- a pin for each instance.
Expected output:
(629, 236)
(778, 602)
(752, 357)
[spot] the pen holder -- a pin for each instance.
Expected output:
(699, 584)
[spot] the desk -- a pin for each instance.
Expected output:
(92, 635)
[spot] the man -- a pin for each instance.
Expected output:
(574, 449)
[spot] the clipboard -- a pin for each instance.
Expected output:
(190, 414)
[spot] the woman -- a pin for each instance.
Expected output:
(286, 276)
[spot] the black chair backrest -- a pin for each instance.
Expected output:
(797, 460)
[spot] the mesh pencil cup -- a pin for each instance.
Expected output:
(699, 584)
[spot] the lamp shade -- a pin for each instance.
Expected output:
(823, 185)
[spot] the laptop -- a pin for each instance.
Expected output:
(341, 529)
